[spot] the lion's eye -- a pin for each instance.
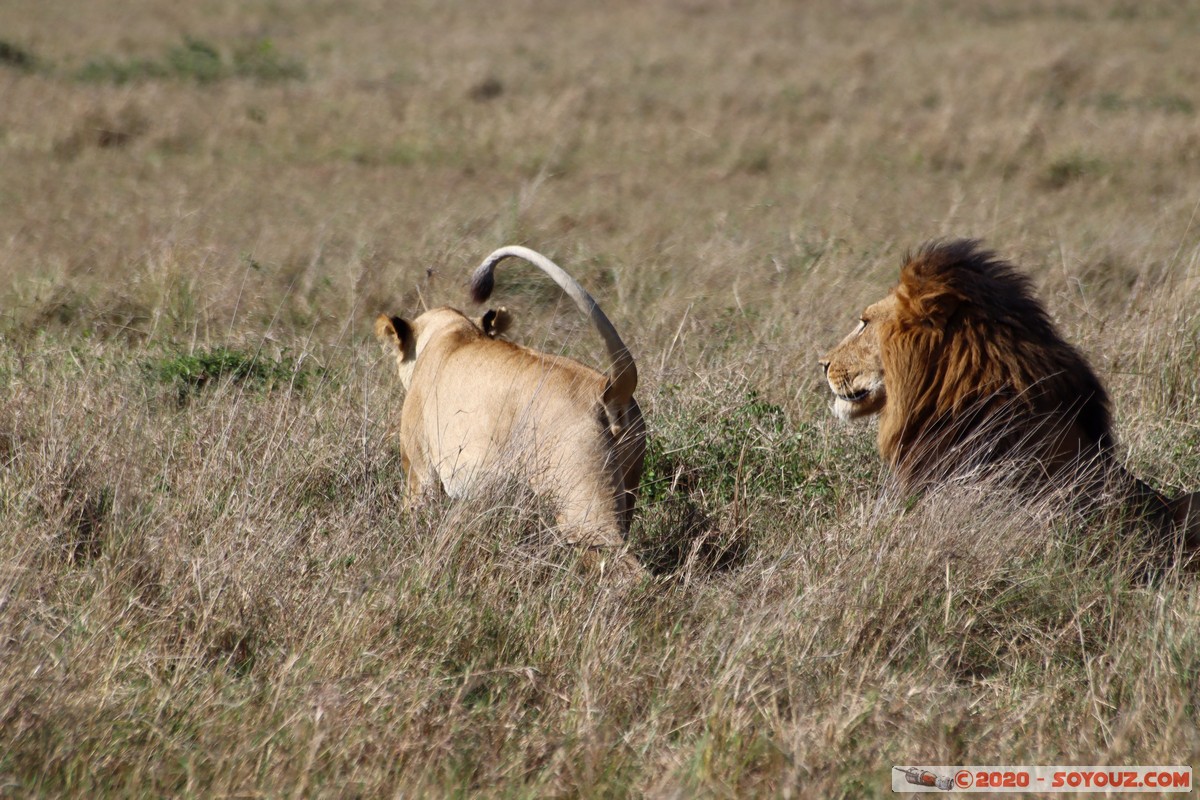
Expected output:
(862, 324)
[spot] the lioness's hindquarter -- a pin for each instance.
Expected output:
(535, 417)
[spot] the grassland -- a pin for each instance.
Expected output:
(208, 586)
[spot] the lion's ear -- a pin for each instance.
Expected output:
(937, 309)
(496, 321)
(929, 303)
(395, 335)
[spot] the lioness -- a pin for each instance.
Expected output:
(476, 405)
(964, 367)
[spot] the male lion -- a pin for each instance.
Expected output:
(477, 406)
(964, 368)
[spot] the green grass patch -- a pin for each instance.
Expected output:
(1169, 103)
(191, 373)
(261, 60)
(749, 449)
(201, 62)
(706, 478)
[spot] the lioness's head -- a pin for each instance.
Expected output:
(405, 340)
(854, 368)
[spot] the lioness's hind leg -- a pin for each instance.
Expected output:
(602, 553)
(595, 530)
(620, 565)
(420, 480)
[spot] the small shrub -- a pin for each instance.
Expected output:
(1069, 169)
(260, 60)
(110, 70)
(755, 160)
(1164, 103)
(488, 89)
(196, 60)
(193, 372)
(1173, 104)
(101, 129)
(16, 57)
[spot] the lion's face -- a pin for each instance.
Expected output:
(854, 368)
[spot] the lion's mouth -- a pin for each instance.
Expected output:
(857, 397)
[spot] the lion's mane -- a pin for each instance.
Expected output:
(976, 369)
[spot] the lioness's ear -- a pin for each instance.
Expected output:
(496, 321)
(395, 335)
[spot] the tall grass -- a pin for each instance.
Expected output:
(209, 584)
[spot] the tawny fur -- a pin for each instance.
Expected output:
(478, 407)
(964, 368)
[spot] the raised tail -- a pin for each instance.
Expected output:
(622, 372)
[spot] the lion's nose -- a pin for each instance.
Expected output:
(824, 362)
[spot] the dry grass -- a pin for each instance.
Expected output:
(207, 584)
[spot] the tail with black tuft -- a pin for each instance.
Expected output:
(622, 373)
